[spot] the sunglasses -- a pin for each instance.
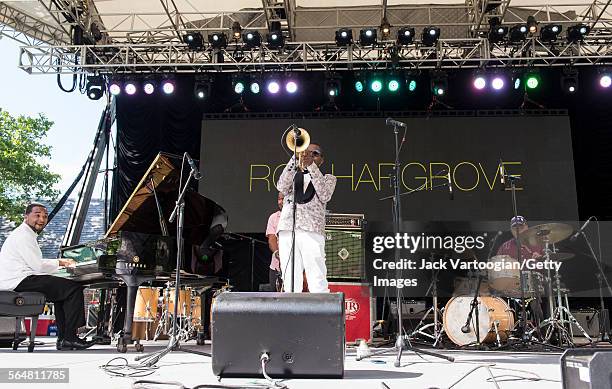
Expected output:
(316, 153)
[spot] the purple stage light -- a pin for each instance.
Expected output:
(480, 82)
(605, 81)
(497, 83)
(130, 88)
(168, 87)
(291, 87)
(273, 87)
(148, 88)
(114, 88)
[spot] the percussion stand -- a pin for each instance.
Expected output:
(421, 329)
(400, 344)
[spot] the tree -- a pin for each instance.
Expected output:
(22, 177)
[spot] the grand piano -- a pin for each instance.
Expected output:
(140, 246)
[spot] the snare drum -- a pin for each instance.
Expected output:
(504, 279)
(491, 311)
(145, 308)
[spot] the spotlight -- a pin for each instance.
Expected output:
(95, 87)
(168, 86)
(439, 83)
(576, 33)
(532, 24)
(344, 37)
(569, 80)
(218, 40)
(376, 84)
(194, 40)
(359, 85)
(385, 28)
(393, 83)
(480, 82)
(254, 86)
(532, 80)
(498, 82)
(252, 39)
(148, 87)
(605, 81)
(517, 82)
(236, 30)
(367, 37)
(114, 88)
(405, 36)
(130, 88)
(497, 32)
(430, 36)
(291, 87)
(238, 84)
(273, 86)
(518, 33)
(332, 86)
(202, 87)
(550, 32)
(275, 39)
(411, 82)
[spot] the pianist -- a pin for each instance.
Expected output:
(23, 269)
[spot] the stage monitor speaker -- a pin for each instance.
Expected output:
(303, 334)
(586, 369)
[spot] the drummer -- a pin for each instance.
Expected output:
(518, 225)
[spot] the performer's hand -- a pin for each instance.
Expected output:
(67, 262)
(307, 159)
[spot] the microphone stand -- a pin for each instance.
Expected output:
(400, 344)
(173, 342)
(294, 210)
(474, 308)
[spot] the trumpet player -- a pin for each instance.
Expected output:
(313, 190)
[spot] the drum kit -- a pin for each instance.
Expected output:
(485, 308)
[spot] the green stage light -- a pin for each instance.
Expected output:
(376, 85)
(412, 85)
(532, 81)
(393, 85)
(359, 86)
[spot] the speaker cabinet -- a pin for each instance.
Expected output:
(586, 369)
(344, 254)
(303, 334)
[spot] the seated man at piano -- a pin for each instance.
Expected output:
(23, 269)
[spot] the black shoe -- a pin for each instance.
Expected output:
(78, 344)
(58, 344)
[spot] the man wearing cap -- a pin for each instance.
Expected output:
(518, 225)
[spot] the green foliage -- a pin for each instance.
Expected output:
(22, 177)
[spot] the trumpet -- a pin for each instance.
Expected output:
(298, 140)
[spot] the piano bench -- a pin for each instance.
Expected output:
(20, 305)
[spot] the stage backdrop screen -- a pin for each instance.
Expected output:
(242, 159)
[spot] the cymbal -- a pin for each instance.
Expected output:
(549, 232)
(560, 256)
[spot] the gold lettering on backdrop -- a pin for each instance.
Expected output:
(424, 184)
(352, 176)
(380, 174)
(433, 167)
(277, 172)
(511, 172)
(484, 173)
(477, 176)
(371, 180)
(263, 178)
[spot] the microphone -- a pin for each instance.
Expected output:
(450, 186)
(296, 131)
(393, 122)
(196, 173)
(502, 173)
(579, 232)
(465, 329)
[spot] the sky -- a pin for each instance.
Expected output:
(75, 116)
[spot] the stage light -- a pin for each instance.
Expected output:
(430, 36)
(95, 87)
(376, 85)
(569, 80)
(393, 82)
(236, 30)
(148, 87)
(550, 32)
(497, 32)
(344, 37)
(130, 88)
(114, 88)
(194, 40)
(168, 86)
(480, 82)
(532, 24)
(405, 36)
(385, 28)
(273, 87)
(439, 83)
(577, 33)
(367, 37)
(359, 86)
(412, 85)
(518, 33)
(218, 40)
(517, 83)
(605, 81)
(532, 80)
(498, 82)
(202, 87)
(254, 87)
(252, 39)
(275, 39)
(291, 87)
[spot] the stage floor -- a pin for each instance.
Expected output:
(537, 370)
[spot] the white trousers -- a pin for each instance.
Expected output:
(309, 257)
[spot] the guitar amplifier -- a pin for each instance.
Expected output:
(344, 246)
(586, 369)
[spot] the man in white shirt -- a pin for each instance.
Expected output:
(23, 269)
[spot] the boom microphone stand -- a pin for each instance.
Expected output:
(400, 344)
(179, 214)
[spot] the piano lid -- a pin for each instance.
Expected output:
(139, 213)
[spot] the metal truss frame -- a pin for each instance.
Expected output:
(28, 30)
(315, 56)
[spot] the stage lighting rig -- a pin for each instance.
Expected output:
(411, 81)
(194, 40)
(149, 86)
(605, 80)
(532, 25)
(497, 32)
(385, 28)
(569, 80)
(518, 33)
(333, 86)
(367, 37)
(251, 39)
(218, 40)
(238, 84)
(430, 36)
(168, 85)
(394, 82)
(344, 37)
(480, 81)
(95, 87)
(376, 83)
(405, 36)
(236, 31)
(550, 32)
(275, 39)
(202, 87)
(359, 82)
(439, 83)
(577, 33)
(532, 80)
(130, 88)
(114, 88)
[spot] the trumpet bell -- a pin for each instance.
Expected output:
(299, 143)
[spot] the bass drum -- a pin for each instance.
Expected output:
(491, 310)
